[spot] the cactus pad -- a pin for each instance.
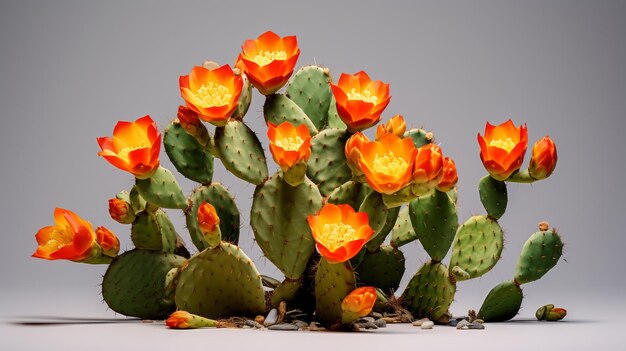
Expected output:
(351, 193)
(220, 282)
(382, 269)
(493, 195)
(420, 137)
(379, 239)
(502, 303)
(403, 232)
(327, 166)
(430, 292)
(477, 246)
(376, 211)
(134, 284)
(153, 231)
(279, 220)
(334, 121)
(333, 282)
(541, 252)
(435, 222)
(189, 157)
(162, 190)
(309, 88)
(241, 152)
(278, 108)
(224, 204)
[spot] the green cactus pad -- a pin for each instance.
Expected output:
(376, 211)
(285, 291)
(220, 283)
(333, 282)
(278, 108)
(244, 99)
(379, 239)
(477, 246)
(327, 166)
(430, 292)
(334, 121)
(502, 303)
(493, 195)
(241, 152)
(403, 232)
(153, 231)
(382, 269)
(162, 190)
(226, 209)
(540, 253)
(137, 203)
(309, 88)
(351, 193)
(279, 220)
(435, 222)
(189, 157)
(420, 137)
(134, 284)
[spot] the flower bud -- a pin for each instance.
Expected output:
(186, 320)
(208, 222)
(395, 125)
(121, 211)
(450, 176)
(543, 160)
(359, 303)
(108, 241)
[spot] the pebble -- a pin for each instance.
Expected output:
(480, 321)
(462, 323)
(283, 326)
(252, 323)
(475, 326)
(380, 323)
(366, 323)
(419, 322)
(147, 321)
(271, 318)
(427, 325)
(453, 322)
(376, 315)
(366, 320)
(282, 311)
(315, 327)
(300, 324)
(259, 319)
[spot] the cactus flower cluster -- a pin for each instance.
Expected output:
(331, 219)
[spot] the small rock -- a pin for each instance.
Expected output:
(282, 311)
(376, 315)
(259, 319)
(366, 320)
(147, 321)
(300, 324)
(480, 321)
(427, 325)
(271, 318)
(380, 323)
(475, 326)
(253, 324)
(296, 311)
(462, 323)
(314, 326)
(283, 326)
(392, 319)
(419, 322)
(453, 322)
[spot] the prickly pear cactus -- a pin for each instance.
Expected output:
(430, 292)
(190, 158)
(333, 282)
(327, 166)
(241, 152)
(540, 253)
(383, 269)
(502, 303)
(435, 222)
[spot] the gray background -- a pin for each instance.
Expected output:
(69, 70)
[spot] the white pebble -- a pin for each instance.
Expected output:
(427, 325)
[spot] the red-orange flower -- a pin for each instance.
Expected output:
(213, 94)
(502, 148)
(543, 160)
(360, 301)
(269, 61)
(353, 150)
(134, 147)
(450, 176)
(70, 238)
(288, 144)
(395, 125)
(186, 320)
(109, 243)
(339, 232)
(388, 163)
(428, 165)
(208, 219)
(360, 101)
(121, 211)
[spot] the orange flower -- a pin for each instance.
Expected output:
(288, 144)
(395, 125)
(108, 241)
(186, 320)
(502, 148)
(353, 150)
(70, 238)
(208, 220)
(121, 211)
(428, 166)
(543, 160)
(134, 147)
(339, 232)
(212, 94)
(360, 101)
(388, 163)
(360, 301)
(269, 61)
(450, 176)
